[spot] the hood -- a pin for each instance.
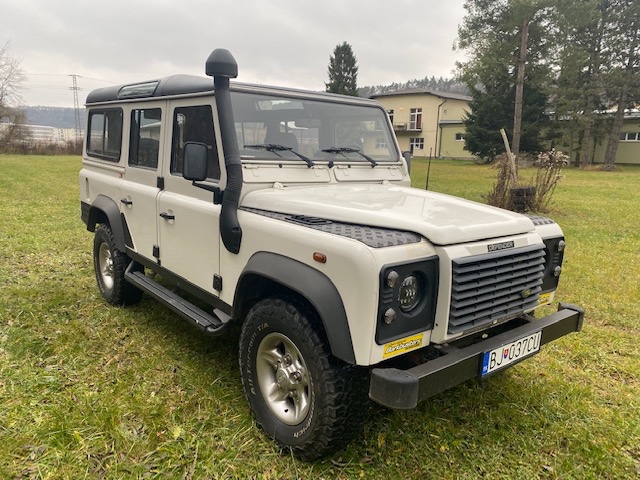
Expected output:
(440, 218)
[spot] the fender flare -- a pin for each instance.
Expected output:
(308, 282)
(110, 209)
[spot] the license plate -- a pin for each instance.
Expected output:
(511, 352)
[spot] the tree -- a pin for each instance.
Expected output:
(343, 71)
(585, 61)
(492, 108)
(502, 37)
(625, 84)
(11, 78)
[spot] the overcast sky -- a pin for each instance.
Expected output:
(277, 42)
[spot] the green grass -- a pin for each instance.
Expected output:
(91, 391)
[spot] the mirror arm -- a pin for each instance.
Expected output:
(215, 189)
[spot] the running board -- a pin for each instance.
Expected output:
(209, 324)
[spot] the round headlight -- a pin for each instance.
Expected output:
(409, 293)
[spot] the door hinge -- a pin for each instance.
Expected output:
(160, 183)
(217, 282)
(156, 251)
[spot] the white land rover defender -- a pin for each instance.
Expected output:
(291, 214)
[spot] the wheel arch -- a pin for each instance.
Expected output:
(266, 269)
(105, 210)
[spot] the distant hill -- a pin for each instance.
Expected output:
(58, 117)
(444, 85)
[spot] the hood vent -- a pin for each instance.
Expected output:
(311, 221)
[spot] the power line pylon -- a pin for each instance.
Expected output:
(76, 104)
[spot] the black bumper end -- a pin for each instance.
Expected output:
(403, 389)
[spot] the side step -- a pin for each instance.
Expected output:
(209, 324)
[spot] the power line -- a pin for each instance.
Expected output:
(52, 87)
(98, 80)
(66, 75)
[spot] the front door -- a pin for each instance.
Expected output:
(189, 232)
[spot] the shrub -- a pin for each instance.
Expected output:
(532, 193)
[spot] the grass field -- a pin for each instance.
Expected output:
(91, 391)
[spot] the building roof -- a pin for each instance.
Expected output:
(425, 91)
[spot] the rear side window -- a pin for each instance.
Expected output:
(104, 135)
(194, 124)
(145, 138)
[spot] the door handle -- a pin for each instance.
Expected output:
(168, 216)
(126, 201)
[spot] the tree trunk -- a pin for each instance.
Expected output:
(585, 143)
(614, 134)
(517, 114)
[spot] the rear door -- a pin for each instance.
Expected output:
(139, 190)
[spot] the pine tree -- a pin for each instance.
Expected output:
(501, 38)
(343, 71)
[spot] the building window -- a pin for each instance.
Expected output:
(104, 134)
(630, 136)
(415, 121)
(459, 137)
(416, 143)
(381, 142)
(390, 113)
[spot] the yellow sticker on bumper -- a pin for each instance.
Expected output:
(545, 299)
(402, 346)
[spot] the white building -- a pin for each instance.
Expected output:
(47, 134)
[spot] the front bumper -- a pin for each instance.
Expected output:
(403, 389)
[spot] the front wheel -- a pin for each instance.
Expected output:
(300, 394)
(110, 264)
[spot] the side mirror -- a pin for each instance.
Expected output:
(407, 158)
(196, 161)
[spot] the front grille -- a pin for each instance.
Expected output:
(492, 287)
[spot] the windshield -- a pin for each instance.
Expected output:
(270, 127)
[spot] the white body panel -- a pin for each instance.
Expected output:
(442, 219)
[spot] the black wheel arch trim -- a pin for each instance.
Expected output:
(106, 205)
(310, 283)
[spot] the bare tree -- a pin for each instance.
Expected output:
(11, 86)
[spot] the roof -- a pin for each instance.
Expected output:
(190, 85)
(425, 91)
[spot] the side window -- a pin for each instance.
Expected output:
(104, 134)
(194, 124)
(145, 138)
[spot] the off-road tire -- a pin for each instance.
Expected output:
(110, 264)
(335, 392)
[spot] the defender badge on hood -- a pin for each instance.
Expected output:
(494, 247)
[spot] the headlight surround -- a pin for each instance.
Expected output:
(554, 254)
(407, 301)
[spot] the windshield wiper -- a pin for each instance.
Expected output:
(343, 150)
(272, 147)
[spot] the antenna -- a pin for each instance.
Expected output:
(76, 105)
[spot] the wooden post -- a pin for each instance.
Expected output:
(511, 157)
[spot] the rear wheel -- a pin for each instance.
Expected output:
(110, 264)
(301, 396)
